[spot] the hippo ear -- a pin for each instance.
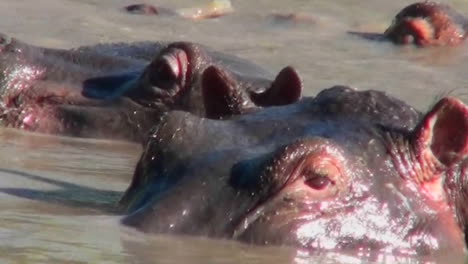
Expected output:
(221, 94)
(443, 132)
(285, 89)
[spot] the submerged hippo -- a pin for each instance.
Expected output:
(424, 24)
(347, 170)
(120, 90)
(213, 10)
(428, 23)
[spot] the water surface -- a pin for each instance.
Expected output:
(57, 194)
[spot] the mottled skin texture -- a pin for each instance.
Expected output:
(346, 171)
(428, 24)
(119, 91)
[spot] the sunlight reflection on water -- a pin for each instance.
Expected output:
(54, 191)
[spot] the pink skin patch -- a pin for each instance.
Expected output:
(422, 31)
(179, 63)
(29, 122)
(41, 119)
(434, 189)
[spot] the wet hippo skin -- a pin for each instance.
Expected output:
(345, 171)
(119, 91)
(424, 24)
(428, 24)
(183, 74)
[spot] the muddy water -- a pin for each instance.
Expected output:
(57, 194)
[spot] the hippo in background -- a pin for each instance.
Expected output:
(119, 91)
(346, 171)
(424, 24)
(428, 24)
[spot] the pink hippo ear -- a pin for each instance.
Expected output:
(440, 140)
(222, 95)
(285, 89)
(443, 132)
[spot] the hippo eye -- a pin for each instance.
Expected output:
(167, 69)
(316, 180)
(321, 172)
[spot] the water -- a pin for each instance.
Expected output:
(57, 195)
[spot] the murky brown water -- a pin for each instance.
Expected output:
(57, 194)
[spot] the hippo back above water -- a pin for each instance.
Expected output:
(349, 171)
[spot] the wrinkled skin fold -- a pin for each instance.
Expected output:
(345, 171)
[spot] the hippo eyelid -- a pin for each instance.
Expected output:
(287, 164)
(323, 172)
(168, 66)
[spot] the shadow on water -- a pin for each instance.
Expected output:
(68, 194)
(369, 36)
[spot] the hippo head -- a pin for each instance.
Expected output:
(88, 94)
(427, 23)
(346, 171)
(181, 74)
(40, 90)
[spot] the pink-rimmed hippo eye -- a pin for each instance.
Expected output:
(170, 68)
(321, 172)
(315, 167)
(316, 181)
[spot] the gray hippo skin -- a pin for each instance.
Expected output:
(176, 78)
(41, 91)
(345, 171)
(111, 91)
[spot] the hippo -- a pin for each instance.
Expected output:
(428, 24)
(424, 24)
(176, 78)
(212, 10)
(347, 170)
(119, 91)
(146, 9)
